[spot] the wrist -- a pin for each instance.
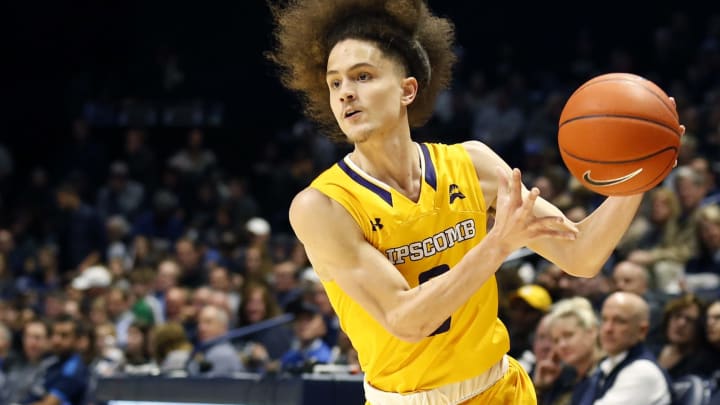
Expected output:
(495, 243)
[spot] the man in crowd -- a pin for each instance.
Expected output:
(65, 379)
(219, 357)
(25, 368)
(629, 374)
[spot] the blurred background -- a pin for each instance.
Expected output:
(148, 156)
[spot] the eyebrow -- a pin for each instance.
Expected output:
(355, 66)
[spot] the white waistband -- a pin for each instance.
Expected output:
(450, 394)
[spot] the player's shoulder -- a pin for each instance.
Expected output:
(474, 147)
(313, 206)
(308, 200)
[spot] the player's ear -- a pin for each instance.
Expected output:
(409, 90)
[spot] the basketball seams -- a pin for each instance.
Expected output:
(639, 81)
(613, 162)
(621, 116)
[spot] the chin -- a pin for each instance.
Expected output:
(357, 136)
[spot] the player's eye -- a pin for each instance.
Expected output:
(334, 84)
(364, 76)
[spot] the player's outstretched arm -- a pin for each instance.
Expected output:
(597, 236)
(338, 252)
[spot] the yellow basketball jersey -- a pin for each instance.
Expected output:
(422, 239)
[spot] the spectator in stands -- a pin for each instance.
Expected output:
(170, 347)
(218, 357)
(108, 358)
(98, 311)
(147, 307)
(7, 286)
(630, 374)
(702, 271)
(574, 330)
(635, 278)
(121, 195)
(542, 350)
(220, 280)
(143, 252)
(343, 353)
(117, 230)
(176, 302)
(221, 299)
(308, 348)
(194, 159)
(285, 283)
(82, 154)
(80, 232)
(190, 257)
(168, 276)
(13, 256)
(160, 224)
(660, 241)
(691, 188)
(684, 351)
(712, 319)
(551, 277)
(257, 266)
(92, 282)
(526, 307)
(319, 298)
(26, 367)
(137, 351)
(631, 277)
(141, 162)
(118, 306)
(5, 347)
(703, 165)
(241, 202)
(200, 297)
(65, 380)
(261, 348)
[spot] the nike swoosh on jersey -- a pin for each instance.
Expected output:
(610, 182)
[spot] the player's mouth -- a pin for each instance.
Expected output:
(351, 114)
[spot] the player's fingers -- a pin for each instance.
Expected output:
(547, 227)
(564, 224)
(529, 202)
(682, 130)
(672, 100)
(516, 185)
(502, 180)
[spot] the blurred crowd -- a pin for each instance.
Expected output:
(134, 262)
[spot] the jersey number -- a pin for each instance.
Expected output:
(427, 275)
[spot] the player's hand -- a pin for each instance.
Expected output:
(515, 224)
(682, 127)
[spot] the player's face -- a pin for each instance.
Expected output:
(366, 90)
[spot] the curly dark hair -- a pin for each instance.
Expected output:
(404, 30)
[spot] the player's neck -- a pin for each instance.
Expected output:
(393, 160)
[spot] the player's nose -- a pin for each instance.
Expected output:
(347, 92)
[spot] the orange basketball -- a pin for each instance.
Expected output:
(619, 134)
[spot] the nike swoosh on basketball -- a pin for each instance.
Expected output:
(610, 182)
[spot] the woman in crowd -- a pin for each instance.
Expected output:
(684, 351)
(575, 353)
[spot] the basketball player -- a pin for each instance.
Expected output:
(397, 230)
